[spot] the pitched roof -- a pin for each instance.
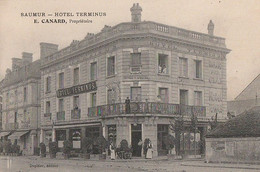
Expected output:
(246, 124)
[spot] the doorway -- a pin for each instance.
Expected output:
(136, 136)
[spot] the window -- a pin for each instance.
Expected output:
(61, 105)
(15, 117)
(163, 93)
(93, 99)
(110, 96)
(184, 97)
(7, 97)
(135, 62)
(61, 80)
(136, 93)
(48, 107)
(76, 76)
(48, 84)
(24, 94)
(93, 71)
(111, 66)
(76, 102)
(24, 115)
(197, 98)
(183, 67)
(163, 64)
(198, 69)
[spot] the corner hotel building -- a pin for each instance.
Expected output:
(165, 71)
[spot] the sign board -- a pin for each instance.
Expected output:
(78, 89)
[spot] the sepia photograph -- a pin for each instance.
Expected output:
(129, 86)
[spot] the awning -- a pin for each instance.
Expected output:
(17, 135)
(2, 134)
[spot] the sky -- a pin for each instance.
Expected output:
(236, 20)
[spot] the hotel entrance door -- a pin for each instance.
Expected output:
(136, 136)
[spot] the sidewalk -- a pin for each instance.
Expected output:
(220, 165)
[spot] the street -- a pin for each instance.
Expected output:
(37, 164)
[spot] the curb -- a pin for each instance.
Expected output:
(219, 166)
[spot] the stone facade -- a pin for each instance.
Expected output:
(172, 66)
(21, 104)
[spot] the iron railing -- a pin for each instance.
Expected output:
(146, 108)
(75, 114)
(61, 116)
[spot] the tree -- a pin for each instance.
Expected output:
(177, 127)
(194, 122)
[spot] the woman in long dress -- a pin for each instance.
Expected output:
(112, 150)
(149, 154)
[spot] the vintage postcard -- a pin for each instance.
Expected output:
(148, 85)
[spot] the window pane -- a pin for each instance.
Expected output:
(136, 93)
(75, 101)
(163, 63)
(136, 59)
(48, 107)
(76, 76)
(61, 80)
(61, 105)
(163, 92)
(198, 67)
(48, 84)
(93, 71)
(198, 98)
(110, 97)
(111, 66)
(183, 67)
(25, 94)
(93, 99)
(184, 97)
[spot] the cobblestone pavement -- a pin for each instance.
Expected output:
(37, 164)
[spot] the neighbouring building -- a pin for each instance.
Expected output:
(237, 140)
(165, 71)
(1, 105)
(21, 103)
(247, 99)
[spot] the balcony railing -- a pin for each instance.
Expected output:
(61, 116)
(11, 126)
(147, 108)
(75, 114)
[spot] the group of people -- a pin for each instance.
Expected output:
(147, 149)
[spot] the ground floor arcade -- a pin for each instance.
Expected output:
(132, 128)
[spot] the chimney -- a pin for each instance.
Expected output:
(16, 63)
(136, 11)
(211, 28)
(47, 49)
(27, 58)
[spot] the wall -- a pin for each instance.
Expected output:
(235, 150)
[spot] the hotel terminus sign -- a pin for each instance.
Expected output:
(78, 89)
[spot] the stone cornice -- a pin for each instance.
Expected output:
(21, 107)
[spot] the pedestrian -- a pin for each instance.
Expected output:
(149, 154)
(112, 151)
(140, 144)
(127, 105)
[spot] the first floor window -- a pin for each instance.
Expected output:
(61, 105)
(163, 94)
(76, 102)
(184, 97)
(110, 96)
(93, 99)
(136, 93)
(48, 107)
(24, 94)
(197, 98)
